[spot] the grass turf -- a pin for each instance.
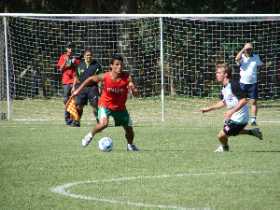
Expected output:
(176, 167)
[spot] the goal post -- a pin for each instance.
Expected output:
(5, 99)
(168, 55)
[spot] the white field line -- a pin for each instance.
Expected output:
(64, 189)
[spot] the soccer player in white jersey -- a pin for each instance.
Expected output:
(249, 63)
(237, 115)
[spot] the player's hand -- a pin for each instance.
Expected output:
(75, 92)
(203, 110)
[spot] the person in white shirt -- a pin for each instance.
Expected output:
(237, 116)
(249, 63)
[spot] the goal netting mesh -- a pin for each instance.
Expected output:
(191, 46)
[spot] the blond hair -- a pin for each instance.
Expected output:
(226, 68)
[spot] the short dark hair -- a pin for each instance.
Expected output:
(116, 57)
(69, 45)
(87, 50)
(225, 66)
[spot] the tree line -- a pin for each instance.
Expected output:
(141, 6)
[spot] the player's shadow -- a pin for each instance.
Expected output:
(266, 151)
(154, 150)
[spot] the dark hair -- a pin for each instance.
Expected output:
(69, 45)
(225, 66)
(116, 57)
(87, 50)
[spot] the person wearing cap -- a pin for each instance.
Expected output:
(67, 66)
(249, 63)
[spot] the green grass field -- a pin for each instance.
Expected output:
(175, 169)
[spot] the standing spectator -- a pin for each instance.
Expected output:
(249, 63)
(67, 66)
(90, 93)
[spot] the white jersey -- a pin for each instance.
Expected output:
(230, 95)
(248, 68)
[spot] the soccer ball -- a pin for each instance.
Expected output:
(105, 144)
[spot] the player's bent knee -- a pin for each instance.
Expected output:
(104, 122)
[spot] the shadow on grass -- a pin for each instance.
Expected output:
(266, 151)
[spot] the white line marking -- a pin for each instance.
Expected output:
(63, 189)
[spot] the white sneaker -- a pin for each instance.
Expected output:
(222, 148)
(86, 140)
(132, 147)
(253, 121)
(257, 133)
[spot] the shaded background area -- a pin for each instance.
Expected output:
(141, 6)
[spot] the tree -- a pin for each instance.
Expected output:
(141, 6)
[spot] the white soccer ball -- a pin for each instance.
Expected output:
(105, 144)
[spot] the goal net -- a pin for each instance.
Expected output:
(193, 46)
(190, 47)
(35, 44)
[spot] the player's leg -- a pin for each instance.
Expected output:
(66, 95)
(253, 95)
(129, 135)
(223, 138)
(103, 121)
(254, 112)
(231, 128)
(253, 132)
(81, 101)
(122, 118)
(93, 96)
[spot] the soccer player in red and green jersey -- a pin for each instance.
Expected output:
(116, 85)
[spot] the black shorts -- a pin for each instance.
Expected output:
(232, 128)
(250, 89)
(88, 95)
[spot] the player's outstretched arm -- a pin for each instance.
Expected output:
(218, 105)
(132, 87)
(88, 81)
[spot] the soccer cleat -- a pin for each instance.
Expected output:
(132, 147)
(254, 123)
(76, 124)
(257, 133)
(222, 148)
(68, 121)
(86, 140)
